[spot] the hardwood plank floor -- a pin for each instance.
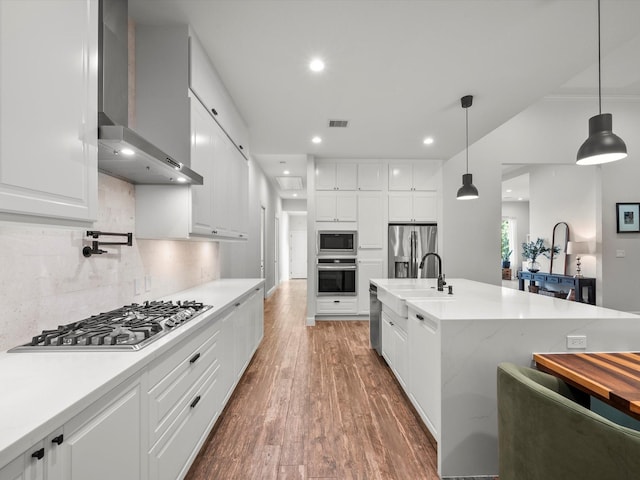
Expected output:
(315, 403)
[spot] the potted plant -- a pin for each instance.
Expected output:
(506, 255)
(504, 246)
(532, 250)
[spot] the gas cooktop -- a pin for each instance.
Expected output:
(131, 327)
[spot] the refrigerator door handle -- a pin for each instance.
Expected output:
(412, 264)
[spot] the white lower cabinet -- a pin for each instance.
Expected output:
(424, 373)
(152, 425)
(105, 441)
(337, 305)
(394, 346)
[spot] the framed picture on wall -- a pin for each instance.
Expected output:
(628, 217)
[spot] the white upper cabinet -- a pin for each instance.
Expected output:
(419, 175)
(370, 221)
(336, 176)
(336, 207)
(413, 207)
(370, 176)
(48, 109)
(206, 84)
(169, 60)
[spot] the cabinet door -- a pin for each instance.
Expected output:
(370, 220)
(401, 357)
(424, 358)
(346, 176)
(367, 269)
(426, 174)
(388, 340)
(400, 207)
(400, 176)
(326, 207)
(28, 466)
(222, 158)
(425, 207)
(346, 207)
(48, 119)
(202, 153)
(370, 176)
(105, 441)
(325, 176)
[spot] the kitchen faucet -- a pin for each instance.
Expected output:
(441, 282)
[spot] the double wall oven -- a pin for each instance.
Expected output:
(336, 266)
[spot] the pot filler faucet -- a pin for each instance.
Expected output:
(441, 282)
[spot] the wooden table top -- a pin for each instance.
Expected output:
(614, 378)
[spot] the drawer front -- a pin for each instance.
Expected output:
(569, 282)
(169, 395)
(171, 457)
(342, 305)
(553, 280)
(539, 277)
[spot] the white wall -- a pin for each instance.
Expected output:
(242, 260)
(45, 281)
(549, 132)
(550, 202)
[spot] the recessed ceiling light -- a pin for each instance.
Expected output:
(295, 194)
(286, 172)
(181, 179)
(127, 151)
(428, 141)
(316, 65)
(316, 140)
(520, 198)
(509, 190)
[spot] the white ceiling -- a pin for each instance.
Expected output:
(396, 69)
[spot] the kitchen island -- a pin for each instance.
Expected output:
(444, 349)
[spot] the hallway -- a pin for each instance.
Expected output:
(315, 402)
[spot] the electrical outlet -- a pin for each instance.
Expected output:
(576, 341)
(620, 253)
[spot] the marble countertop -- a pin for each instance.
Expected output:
(480, 301)
(43, 390)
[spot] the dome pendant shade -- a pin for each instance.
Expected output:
(467, 191)
(602, 146)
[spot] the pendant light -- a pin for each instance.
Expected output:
(602, 146)
(467, 191)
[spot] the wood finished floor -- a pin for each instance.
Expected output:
(315, 403)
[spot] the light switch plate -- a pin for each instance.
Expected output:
(620, 253)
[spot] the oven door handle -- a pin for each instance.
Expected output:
(337, 267)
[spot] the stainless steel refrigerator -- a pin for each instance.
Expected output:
(407, 244)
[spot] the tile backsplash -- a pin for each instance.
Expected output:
(45, 280)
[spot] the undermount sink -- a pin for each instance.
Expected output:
(430, 293)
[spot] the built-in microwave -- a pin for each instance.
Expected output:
(336, 242)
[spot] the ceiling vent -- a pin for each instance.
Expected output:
(338, 123)
(290, 183)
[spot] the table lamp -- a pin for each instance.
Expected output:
(578, 249)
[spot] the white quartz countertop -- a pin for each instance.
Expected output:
(480, 301)
(43, 390)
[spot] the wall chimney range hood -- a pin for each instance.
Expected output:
(122, 152)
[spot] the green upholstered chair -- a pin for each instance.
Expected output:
(544, 433)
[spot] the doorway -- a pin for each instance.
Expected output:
(298, 254)
(263, 216)
(277, 251)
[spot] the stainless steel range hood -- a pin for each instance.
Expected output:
(122, 152)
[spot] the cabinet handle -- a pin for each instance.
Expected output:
(419, 317)
(195, 401)
(39, 454)
(215, 232)
(257, 289)
(195, 358)
(237, 304)
(214, 111)
(58, 440)
(336, 301)
(391, 323)
(240, 146)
